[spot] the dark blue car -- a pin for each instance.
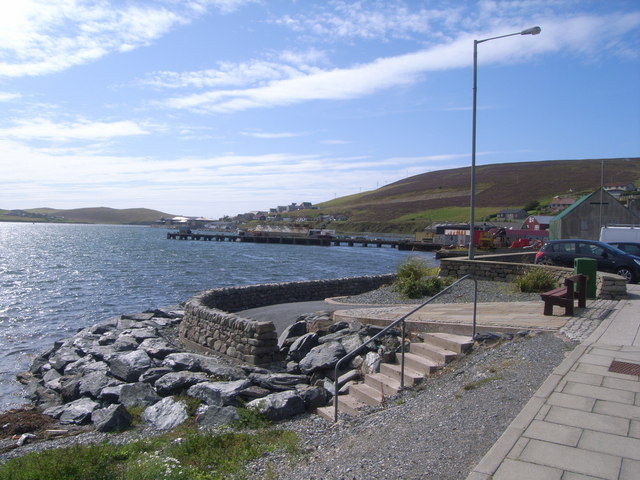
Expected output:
(610, 259)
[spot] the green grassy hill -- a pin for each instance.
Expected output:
(415, 202)
(128, 216)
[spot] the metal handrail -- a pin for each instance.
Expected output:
(382, 332)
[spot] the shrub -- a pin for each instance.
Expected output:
(536, 280)
(415, 279)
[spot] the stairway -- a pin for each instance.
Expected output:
(420, 361)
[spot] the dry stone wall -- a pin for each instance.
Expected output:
(209, 320)
(501, 269)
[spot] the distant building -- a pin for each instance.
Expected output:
(560, 203)
(537, 222)
(617, 189)
(511, 215)
(584, 218)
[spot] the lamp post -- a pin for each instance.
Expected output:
(528, 31)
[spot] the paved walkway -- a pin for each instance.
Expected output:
(584, 421)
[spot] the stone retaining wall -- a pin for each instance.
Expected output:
(501, 268)
(207, 321)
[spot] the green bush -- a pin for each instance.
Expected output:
(536, 280)
(416, 279)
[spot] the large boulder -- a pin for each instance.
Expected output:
(278, 381)
(166, 414)
(301, 346)
(63, 357)
(294, 330)
(157, 347)
(76, 412)
(218, 393)
(138, 395)
(92, 384)
(202, 363)
(176, 382)
(278, 406)
(216, 415)
(322, 357)
(129, 366)
(313, 397)
(113, 418)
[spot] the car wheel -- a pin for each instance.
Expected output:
(626, 273)
(545, 261)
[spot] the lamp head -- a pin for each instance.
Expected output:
(531, 31)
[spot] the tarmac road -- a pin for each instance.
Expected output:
(284, 314)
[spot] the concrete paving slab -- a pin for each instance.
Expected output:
(620, 384)
(572, 459)
(554, 433)
(586, 378)
(615, 409)
(630, 469)
(612, 444)
(591, 421)
(578, 476)
(511, 469)
(634, 429)
(599, 393)
(571, 401)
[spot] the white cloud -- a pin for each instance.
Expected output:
(582, 35)
(42, 128)
(273, 135)
(44, 36)
(7, 97)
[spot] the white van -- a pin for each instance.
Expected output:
(620, 233)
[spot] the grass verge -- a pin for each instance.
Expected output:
(183, 454)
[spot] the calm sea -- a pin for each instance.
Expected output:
(58, 278)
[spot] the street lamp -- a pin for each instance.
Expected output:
(528, 31)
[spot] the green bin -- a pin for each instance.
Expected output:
(588, 267)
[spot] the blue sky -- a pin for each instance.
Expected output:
(215, 107)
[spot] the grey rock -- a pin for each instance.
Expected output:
(166, 414)
(38, 364)
(351, 342)
(371, 363)
(350, 376)
(103, 327)
(84, 342)
(218, 393)
(76, 412)
(24, 438)
(216, 415)
(69, 388)
(334, 337)
(278, 382)
(138, 317)
(138, 395)
(129, 366)
(202, 363)
(296, 329)
(157, 347)
(125, 343)
(62, 357)
(141, 334)
(51, 380)
(111, 394)
(278, 406)
(338, 326)
(150, 376)
(92, 384)
(108, 338)
(313, 397)
(85, 365)
(254, 391)
(176, 382)
(322, 357)
(112, 418)
(301, 346)
(293, 368)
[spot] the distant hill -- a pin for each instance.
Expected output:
(103, 215)
(415, 202)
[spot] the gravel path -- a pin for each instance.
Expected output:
(439, 430)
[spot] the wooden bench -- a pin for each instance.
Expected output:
(565, 296)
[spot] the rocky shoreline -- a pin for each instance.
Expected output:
(136, 360)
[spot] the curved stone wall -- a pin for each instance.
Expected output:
(209, 322)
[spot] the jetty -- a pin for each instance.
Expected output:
(324, 241)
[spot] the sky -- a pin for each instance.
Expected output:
(220, 107)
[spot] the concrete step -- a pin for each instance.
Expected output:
(433, 352)
(346, 404)
(411, 376)
(366, 394)
(449, 341)
(386, 385)
(419, 363)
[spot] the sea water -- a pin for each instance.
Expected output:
(58, 278)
